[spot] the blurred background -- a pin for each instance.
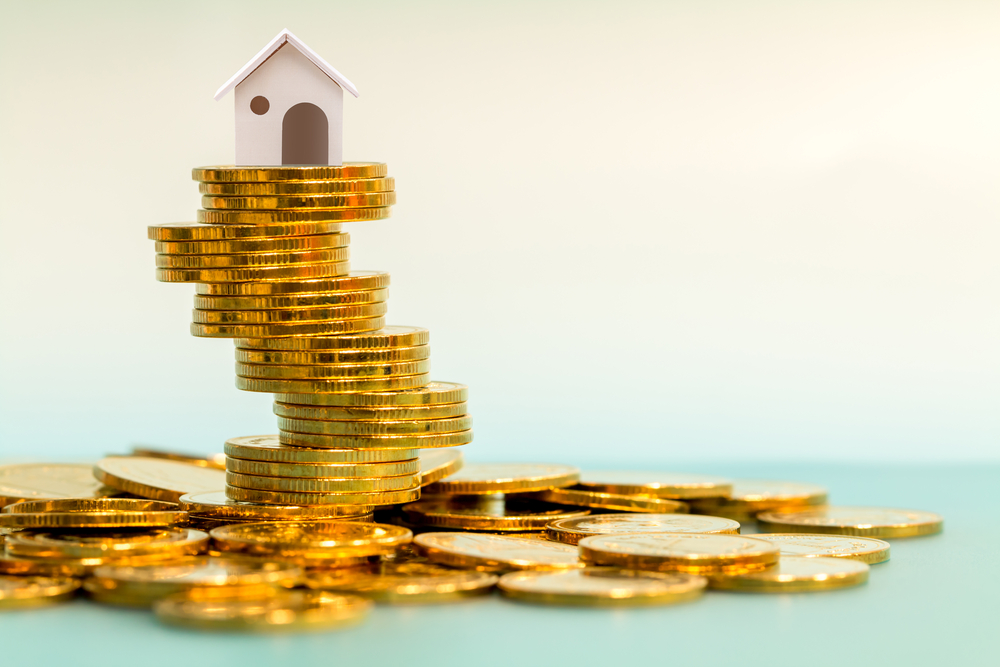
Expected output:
(643, 233)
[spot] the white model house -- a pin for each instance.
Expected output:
(289, 106)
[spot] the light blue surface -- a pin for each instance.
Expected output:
(935, 602)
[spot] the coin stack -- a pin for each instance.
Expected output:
(355, 402)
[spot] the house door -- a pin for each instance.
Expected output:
(305, 135)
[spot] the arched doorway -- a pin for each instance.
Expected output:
(305, 135)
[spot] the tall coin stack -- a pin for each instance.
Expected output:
(354, 398)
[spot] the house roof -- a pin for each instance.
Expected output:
(285, 37)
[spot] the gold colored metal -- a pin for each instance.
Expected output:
(336, 357)
(388, 337)
(199, 232)
(355, 385)
(321, 300)
(364, 428)
(805, 545)
(266, 317)
(277, 203)
(377, 441)
(352, 282)
(750, 496)
(496, 553)
(232, 174)
(282, 498)
(610, 501)
(438, 464)
(489, 513)
(254, 274)
(91, 513)
(216, 505)
(256, 259)
(313, 328)
(268, 448)
(324, 470)
(863, 521)
(290, 611)
(292, 216)
(695, 553)
(796, 574)
(676, 486)
(603, 587)
(34, 481)
(107, 546)
(159, 479)
(37, 567)
(31, 591)
(333, 413)
(288, 244)
(477, 478)
(217, 461)
(433, 393)
(318, 485)
(311, 539)
(404, 582)
(273, 371)
(273, 188)
(571, 531)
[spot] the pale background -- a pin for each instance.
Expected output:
(643, 233)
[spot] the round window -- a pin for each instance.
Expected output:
(259, 105)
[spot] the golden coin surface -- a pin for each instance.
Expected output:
(352, 282)
(495, 553)
(199, 232)
(325, 470)
(291, 216)
(677, 486)
(571, 531)
(610, 501)
(438, 464)
(273, 371)
(254, 274)
(37, 567)
(206, 460)
(491, 513)
(377, 441)
(321, 187)
(315, 328)
(105, 546)
(601, 587)
(268, 448)
(336, 357)
(29, 591)
(805, 545)
(796, 574)
(749, 496)
(35, 481)
(253, 259)
(334, 413)
(340, 385)
(387, 337)
(159, 479)
(215, 504)
(290, 611)
(297, 202)
(412, 427)
(255, 245)
(91, 513)
(312, 539)
(476, 478)
(863, 521)
(696, 553)
(433, 393)
(348, 312)
(323, 485)
(320, 300)
(264, 174)
(404, 582)
(289, 498)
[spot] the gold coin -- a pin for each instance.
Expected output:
(292, 216)
(36, 481)
(206, 460)
(324, 470)
(333, 386)
(571, 531)
(273, 371)
(352, 282)
(477, 478)
(274, 203)
(677, 486)
(264, 317)
(695, 553)
(91, 513)
(254, 274)
(293, 610)
(492, 513)
(215, 504)
(334, 413)
(602, 587)
(795, 574)
(107, 546)
(374, 428)
(316, 328)
(806, 545)
(268, 448)
(321, 300)
(863, 521)
(438, 464)
(283, 498)
(495, 553)
(323, 187)
(335, 357)
(750, 496)
(256, 259)
(388, 337)
(159, 479)
(232, 174)
(610, 501)
(377, 441)
(317, 485)
(266, 245)
(433, 393)
(404, 582)
(312, 539)
(36, 567)
(198, 232)
(30, 591)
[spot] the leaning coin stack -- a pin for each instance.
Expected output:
(355, 402)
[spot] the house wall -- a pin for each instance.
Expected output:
(286, 78)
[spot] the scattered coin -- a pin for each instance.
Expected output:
(751, 496)
(438, 464)
(572, 530)
(91, 513)
(600, 586)
(696, 553)
(217, 461)
(796, 574)
(485, 478)
(865, 549)
(863, 521)
(33, 591)
(487, 513)
(404, 582)
(311, 539)
(159, 479)
(35, 481)
(108, 546)
(677, 486)
(610, 501)
(495, 553)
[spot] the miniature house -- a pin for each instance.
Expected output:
(289, 106)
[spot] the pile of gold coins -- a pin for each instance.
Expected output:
(155, 530)
(354, 400)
